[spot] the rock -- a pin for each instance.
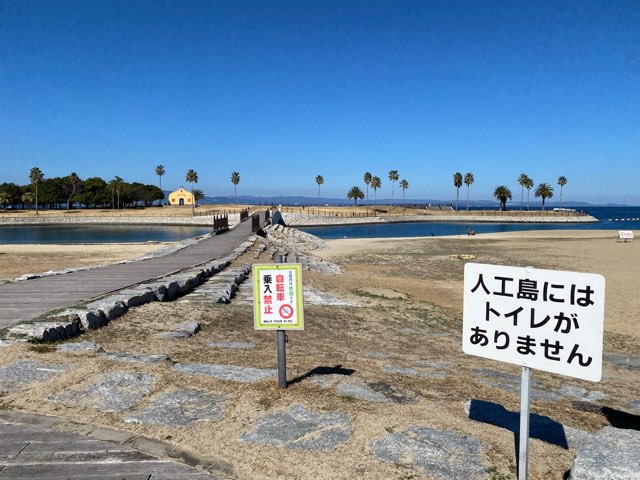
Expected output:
(47, 331)
(443, 454)
(398, 370)
(113, 392)
(79, 347)
(23, 373)
(5, 343)
(232, 373)
(89, 319)
(378, 392)
(136, 358)
(300, 428)
(621, 360)
(181, 408)
(238, 345)
(111, 307)
(611, 454)
(191, 328)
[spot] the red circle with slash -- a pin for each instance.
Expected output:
(286, 311)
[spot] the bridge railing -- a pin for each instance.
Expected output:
(220, 223)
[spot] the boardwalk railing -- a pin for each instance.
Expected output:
(244, 214)
(255, 222)
(220, 223)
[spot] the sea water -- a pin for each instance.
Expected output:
(609, 218)
(64, 234)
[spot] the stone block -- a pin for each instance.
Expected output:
(610, 454)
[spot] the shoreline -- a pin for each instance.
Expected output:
(199, 221)
(306, 220)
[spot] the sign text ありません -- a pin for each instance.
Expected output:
(543, 319)
(278, 301)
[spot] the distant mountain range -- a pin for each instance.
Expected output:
(298, 200)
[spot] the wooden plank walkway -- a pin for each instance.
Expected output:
(21, 301)
(32, 451)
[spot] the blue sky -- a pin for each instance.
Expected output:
(282, 91)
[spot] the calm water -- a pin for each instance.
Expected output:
(97, 234)
(610, 218)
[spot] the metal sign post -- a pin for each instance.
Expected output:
(281, 343)
(523, 451)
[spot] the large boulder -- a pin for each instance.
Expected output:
(610, 454)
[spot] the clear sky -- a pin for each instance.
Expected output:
(282, 91)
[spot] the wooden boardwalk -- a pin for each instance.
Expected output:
(29, 299)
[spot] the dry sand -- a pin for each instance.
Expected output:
(17, 260)
(410, 292)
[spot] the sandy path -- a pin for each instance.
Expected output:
(17, 260)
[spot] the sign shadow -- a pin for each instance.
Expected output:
(540, 427)
(336, 370)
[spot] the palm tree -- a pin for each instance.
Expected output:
(376, 183)
(468, 180)
(355, 193)
(403, 185)
(192, 177)
(562, 181)
(5, 199)
(523, 181)
(27, 199)
(319, 181)
(235, 179)
(35, 177)
(197, 195)
(393, 176)
(117, 185)
(160, 172)
(502, 194)
(545, 191)
(457, 182)
(529, 186)
(74, 179)
(367, 182)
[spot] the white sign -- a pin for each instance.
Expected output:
(543, 319)
(625, 235)
(278, 301)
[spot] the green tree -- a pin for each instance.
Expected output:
(502, 194)
(529, 186)
(562, 181)
(523, 181)
(468, 180)
(235, 179)
(403, 185)
(457, 182)
(36, 177)
(27, 199)
(545, 191)
(192, 177)
(74, 180)
(376, 183)
(198, 195)
(319, 181)
(393, 177)
(355, 193)
(5, 199)
(367, 182)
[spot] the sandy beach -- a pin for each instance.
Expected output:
(17, 260)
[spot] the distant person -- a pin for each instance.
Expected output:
(470, 231)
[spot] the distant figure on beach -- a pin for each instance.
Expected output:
(470, 231)
(345, 236)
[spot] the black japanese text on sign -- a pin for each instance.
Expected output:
(543, 319)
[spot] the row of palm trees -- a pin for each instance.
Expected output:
(543, 190)
(356, 193)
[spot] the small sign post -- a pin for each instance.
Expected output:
(544, 319)
(278, 304)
